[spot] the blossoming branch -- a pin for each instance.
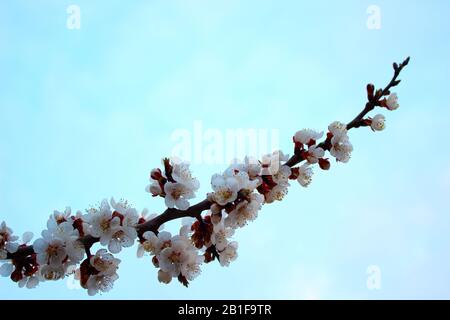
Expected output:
(238, 194)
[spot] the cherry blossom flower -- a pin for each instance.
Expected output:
(392, 102)
(101, 283)
(155, 189)
(102, 280)
(182, 174)
(190, 269)
(277, 193)
(180, 258)
(115, 229)
(164, 277)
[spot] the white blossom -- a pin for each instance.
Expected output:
(229, 254)
(75, 250)
(392, 102)
(243, 179)
(225, 189)
(341, 147)
(378, 123)
(114, 231)
(178, 195)
(179, 257)
(277, 193)
(49, 251)
(220, 235)
(171, 258)
(182, 174)
(190, 269)
(100, 282)
(7, 241)
(52, 271)
(271, 163)
(338, 129)
(249, 165)
(305, 174)
(29, 282)
(107, 266)
(245, 211)
(155, 243)
(164, 277)
(307, 136)
(282, 175)
(154, 188)
(6, 269)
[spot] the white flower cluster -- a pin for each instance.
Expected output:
(341, 148)
(226, 249)
(60, 248)
(377, 123)
(23, 274)
(177, 186)
(392, 102)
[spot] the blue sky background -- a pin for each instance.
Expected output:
(86, 114)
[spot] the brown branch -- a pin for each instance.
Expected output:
(196, 210)
(375, 100)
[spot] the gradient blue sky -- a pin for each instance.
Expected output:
(85, 114)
